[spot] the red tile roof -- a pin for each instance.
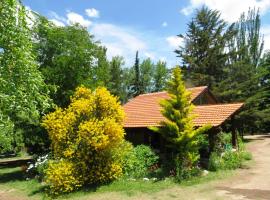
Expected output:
(144, 110)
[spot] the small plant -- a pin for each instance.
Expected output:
(232, 160)
(246, 155)
(215, 162)
(186, 170)
(38, 168)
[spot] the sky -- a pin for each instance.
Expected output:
(149, 26)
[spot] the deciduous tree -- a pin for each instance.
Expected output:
(23, 93)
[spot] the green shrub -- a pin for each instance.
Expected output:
(246, 155)
(228, 160)
(184, 170)
(223, 142)
(232, 160)
(139, 161)
(215, 162)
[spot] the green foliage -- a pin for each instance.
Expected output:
(246, 155)
(139, 161)
(147, 77)
(178, 129)
(256, 116)
(229, 60)
(146, 69)
(160, 76)
(116, 85)
(23, 93)
(226, 161)
(184, 170)
(204, 52)
(232, 160)
(86, 139)
(224, 157)
(66, 56)
(215, 162)
(137, 85)
(6, 134)
(223, 142)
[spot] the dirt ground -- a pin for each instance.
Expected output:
(252, 183)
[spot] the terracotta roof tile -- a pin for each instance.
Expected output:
(144, 110)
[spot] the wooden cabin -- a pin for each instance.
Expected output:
(143, 111)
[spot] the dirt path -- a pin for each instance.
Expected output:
(253, 183)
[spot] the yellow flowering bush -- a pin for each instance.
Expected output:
(63, 177)
(84, 139)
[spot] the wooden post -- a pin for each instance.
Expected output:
(234, 134)
(212, 134)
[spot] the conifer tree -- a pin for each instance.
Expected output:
(204, 53)
(177, 128)
(137, 84)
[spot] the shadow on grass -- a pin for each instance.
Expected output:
(41, 190)
(14, 175)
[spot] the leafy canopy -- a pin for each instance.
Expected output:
(23, 93)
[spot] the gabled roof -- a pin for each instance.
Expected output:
(214, 114)
(144, 110)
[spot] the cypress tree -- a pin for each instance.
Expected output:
(178, 129)
(137, 85)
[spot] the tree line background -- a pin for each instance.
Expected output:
(40, 67)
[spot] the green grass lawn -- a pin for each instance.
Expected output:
(15, 179)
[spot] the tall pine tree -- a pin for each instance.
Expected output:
(241, 73)
(204, 54)
(137, 83)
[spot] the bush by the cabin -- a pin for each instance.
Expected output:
(225, 157)
(85, 139)
(141, 161)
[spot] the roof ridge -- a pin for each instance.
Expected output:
(219, 104)
(153, 93)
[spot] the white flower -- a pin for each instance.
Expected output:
(30, 166)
